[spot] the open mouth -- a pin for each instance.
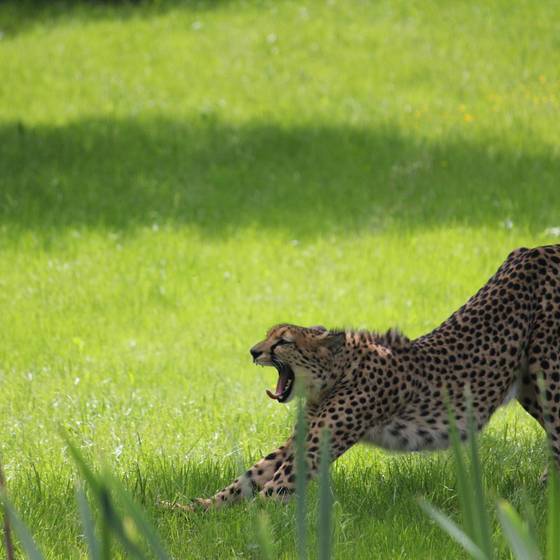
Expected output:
(285, 383)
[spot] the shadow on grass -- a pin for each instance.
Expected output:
(304, 181)
(17, 16)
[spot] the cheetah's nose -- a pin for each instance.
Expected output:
(255, 353)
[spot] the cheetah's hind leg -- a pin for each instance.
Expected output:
(543, 404)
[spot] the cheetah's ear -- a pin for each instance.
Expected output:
(333, 340)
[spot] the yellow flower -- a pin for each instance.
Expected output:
(467, 117)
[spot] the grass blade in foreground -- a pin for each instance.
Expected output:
(517, 533)
(10, 554)
(140, 520)
(553, 526)
(112, 521)
(453, 530)
(475, 538)
(86, 516)
(481, 520)
(264, 537)
(324, 528)
(301, 482)
(20, 529)
(463, 479)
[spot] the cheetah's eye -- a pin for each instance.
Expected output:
(283, 342)
(280, 342)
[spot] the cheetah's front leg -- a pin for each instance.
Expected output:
(248, 483)
(346, 429)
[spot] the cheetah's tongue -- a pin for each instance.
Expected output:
(281, 386)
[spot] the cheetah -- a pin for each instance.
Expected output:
(392, 392)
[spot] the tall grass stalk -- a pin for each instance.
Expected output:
(21, 530)
(301, 481)
(464, 492)
(517, 533)
(7, 534)
(86, 517)
(126, 527)
(553, 524)
(481, 521)
(475, 535)
(324, 526)
(264, 537)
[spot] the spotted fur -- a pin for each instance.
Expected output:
(390, 391)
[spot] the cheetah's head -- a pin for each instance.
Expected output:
(300, 355)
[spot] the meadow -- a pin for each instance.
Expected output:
(176, 177)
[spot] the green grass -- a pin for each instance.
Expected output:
(177, 177)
